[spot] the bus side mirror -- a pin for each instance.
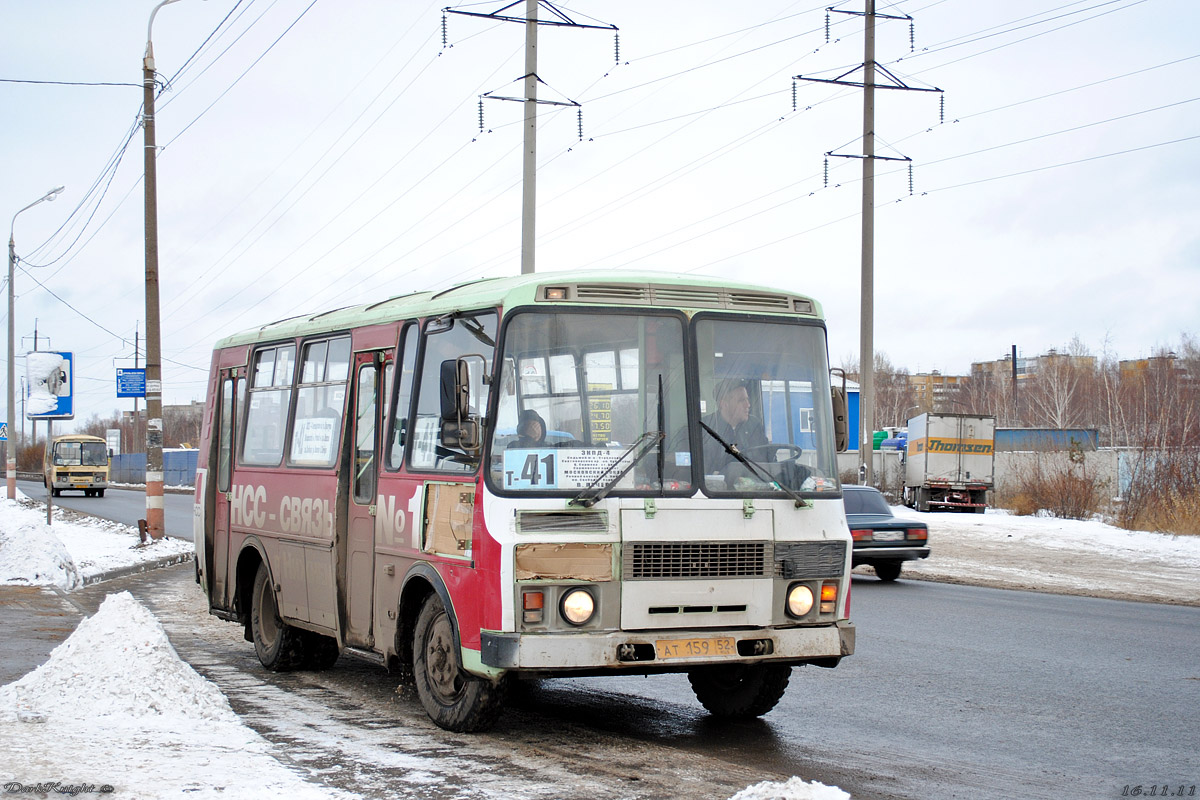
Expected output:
(459, 427)
(456, 390)
(841, 426)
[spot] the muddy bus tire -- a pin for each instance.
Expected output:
(740, 691)
(452, 698)
(279, 646)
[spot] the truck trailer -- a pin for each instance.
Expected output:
(950, 462)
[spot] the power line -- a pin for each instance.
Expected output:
(69, 83)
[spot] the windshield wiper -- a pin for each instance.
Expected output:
(582, 499)
(759, 470)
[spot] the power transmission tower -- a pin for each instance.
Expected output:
(866, 358)
(529, 177)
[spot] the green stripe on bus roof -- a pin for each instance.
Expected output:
(507, 292)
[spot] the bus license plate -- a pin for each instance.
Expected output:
(694, 648)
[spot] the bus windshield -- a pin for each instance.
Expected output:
(585, 397)
(80, 454)
(763, 394)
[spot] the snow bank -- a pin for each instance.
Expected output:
(115, 709)
(30, 552)
(1064, 534)
(116, 663)
(73, 549)
(792, 789)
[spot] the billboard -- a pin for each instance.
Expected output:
(50, 383)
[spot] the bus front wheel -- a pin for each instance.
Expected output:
(279, 646)
(740, 691)
(454, 699)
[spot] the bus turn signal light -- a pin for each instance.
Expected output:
(532, 605)
(828, 597)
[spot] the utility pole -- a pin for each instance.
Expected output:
(530, 102)
(529, 163)
(866, 357)
(10, 449)
(866, 351)
(154, 457)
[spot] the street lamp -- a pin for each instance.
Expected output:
(154, 426)
(9, 451)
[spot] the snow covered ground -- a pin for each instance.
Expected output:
(1061, 556)
(75, 550)
(114, 699)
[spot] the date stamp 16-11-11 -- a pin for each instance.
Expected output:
(1159, 790)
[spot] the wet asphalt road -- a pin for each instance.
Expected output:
(954, 691)
(126, 506)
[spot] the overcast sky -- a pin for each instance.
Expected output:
(318, 153)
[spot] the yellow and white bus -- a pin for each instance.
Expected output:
(76, 461)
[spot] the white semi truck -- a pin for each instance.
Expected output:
(950, 462)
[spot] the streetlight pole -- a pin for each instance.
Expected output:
(10, 453)
(154, 426)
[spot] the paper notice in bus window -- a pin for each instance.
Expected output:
(314, 440)
(425, 441)
(562, 468)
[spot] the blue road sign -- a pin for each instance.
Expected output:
(131, 383)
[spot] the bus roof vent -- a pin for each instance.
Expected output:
(611, 293)
(683, 297)
(759, 301)
(689, 296)
(581, 521)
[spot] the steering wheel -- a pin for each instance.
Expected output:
(794, 451)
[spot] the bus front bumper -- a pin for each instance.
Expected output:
(665, 651)
(80, 484)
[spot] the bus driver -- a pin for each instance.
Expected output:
(733, 423)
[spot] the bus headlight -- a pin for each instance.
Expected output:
(577, 606)
(799, 600)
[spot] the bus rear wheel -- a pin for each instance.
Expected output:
(279, 646)
(740, 691)
(454, 699)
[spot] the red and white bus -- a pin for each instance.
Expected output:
(538, 476)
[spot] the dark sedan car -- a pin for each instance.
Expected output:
(882, 540)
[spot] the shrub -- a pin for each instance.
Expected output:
(1164, 492)
(1064, 490)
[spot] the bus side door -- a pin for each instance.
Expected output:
(223, 474)
(369, 387)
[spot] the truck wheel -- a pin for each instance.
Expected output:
(922, 500)
(279, 646)
(739, 691)
(99, 493)
(888, 571)
(454, 699)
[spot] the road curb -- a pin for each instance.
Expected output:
(134, 569)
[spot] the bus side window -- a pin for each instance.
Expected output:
(270, 396)
(364, 435)
(225, 436)
(320, 403)
(408, 360)
(469, 338)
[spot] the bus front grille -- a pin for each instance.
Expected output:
(693, 560)
(804, 560)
